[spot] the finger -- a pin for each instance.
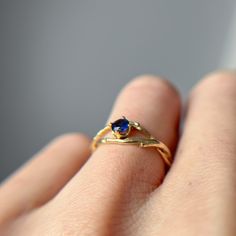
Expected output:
(117, 174)
(43, 176)
(155, 104)
(203, 175)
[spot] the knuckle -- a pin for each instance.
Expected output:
(152, 85)
(72, 138)
(221, 82)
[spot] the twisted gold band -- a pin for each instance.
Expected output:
(121, 129)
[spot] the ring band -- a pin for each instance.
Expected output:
(121, 129)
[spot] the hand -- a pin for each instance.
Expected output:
(124, 190)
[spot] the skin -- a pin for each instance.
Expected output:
(124, 190)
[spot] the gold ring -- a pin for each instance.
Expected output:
(121, 130)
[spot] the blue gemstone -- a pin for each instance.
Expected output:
(120, 126)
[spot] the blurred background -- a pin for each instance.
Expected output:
(62, 63)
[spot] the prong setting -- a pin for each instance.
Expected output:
(121, 128)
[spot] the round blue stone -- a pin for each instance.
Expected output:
(120, 126)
